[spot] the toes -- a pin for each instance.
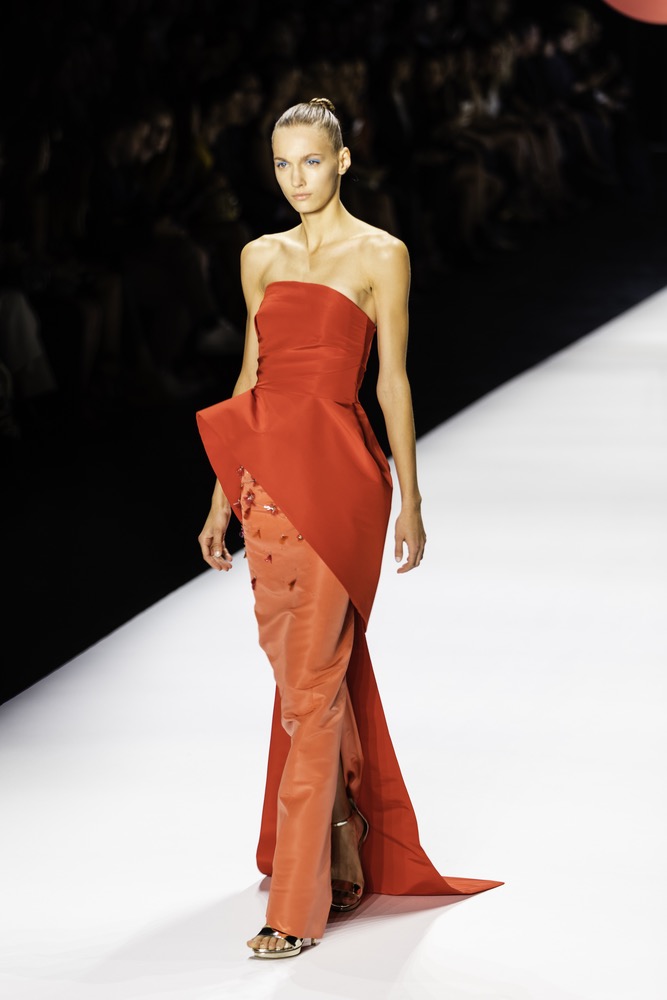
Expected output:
(266, 943)
(259, 942)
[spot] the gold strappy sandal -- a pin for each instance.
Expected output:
(346, 896)
(292, 947)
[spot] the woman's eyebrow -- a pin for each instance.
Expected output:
(283, 159)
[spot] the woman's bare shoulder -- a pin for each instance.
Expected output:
(386, 246)
(259, 253)
(384, 256)
(373, 241)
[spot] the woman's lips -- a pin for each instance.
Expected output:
(300, 197)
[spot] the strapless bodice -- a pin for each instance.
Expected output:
(303, 417)
(313, 340)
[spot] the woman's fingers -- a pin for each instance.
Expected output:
(215, 552)
(212, 536)
(415, 554)
(222, 557)
(409, 531)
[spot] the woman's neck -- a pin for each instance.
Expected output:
(328, 225)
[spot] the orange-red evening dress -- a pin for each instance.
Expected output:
(312, 489)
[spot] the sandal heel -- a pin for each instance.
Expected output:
(346, 896)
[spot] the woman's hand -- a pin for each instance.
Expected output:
(212, 537)
(409, 531)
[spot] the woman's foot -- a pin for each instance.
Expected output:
(347, 875)
(270, 943)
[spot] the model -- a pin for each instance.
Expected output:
(297, 462)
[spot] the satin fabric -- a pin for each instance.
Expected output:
(309, 651)
(303, 433)
(303, 418)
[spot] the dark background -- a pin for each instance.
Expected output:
(104, 493)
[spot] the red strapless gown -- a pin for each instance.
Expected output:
(301, 424)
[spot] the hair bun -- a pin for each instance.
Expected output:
(318, 113)
(323, 102)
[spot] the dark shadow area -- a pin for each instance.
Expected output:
(521, 155)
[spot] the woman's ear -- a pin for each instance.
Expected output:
(344, 160)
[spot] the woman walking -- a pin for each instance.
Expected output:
(297, 462)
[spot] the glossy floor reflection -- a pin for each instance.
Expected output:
(522, 672)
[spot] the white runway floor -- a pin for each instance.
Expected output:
(523, 672)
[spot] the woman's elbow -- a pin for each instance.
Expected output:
(392, 390)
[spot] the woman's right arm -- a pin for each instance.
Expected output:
(212, 536)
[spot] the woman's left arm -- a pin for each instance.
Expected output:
(390, 280)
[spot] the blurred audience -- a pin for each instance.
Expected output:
(135, 163)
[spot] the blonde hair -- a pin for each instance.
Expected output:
(318, 113)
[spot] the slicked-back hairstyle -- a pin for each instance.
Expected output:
(318, 113)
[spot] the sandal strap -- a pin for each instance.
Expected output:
(364, 821)
(341, 885)
(271, 932)
(342, 822)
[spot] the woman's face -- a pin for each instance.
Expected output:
(569, 41)
(532, 41)
(307, 169)
(160, 134)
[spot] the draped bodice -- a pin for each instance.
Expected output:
(319, 351)
(302, 423)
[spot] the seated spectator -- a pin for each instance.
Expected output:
(366, 191)
(461, 191)
(603, 92)
(172, 314)
(287, 86)
(528, 99)
(588, 160)
(393, 95)
(39, 259)
(209, 205)
(96, 288)
(27, 383)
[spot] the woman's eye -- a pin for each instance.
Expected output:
(281, 164)
(312, 161)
